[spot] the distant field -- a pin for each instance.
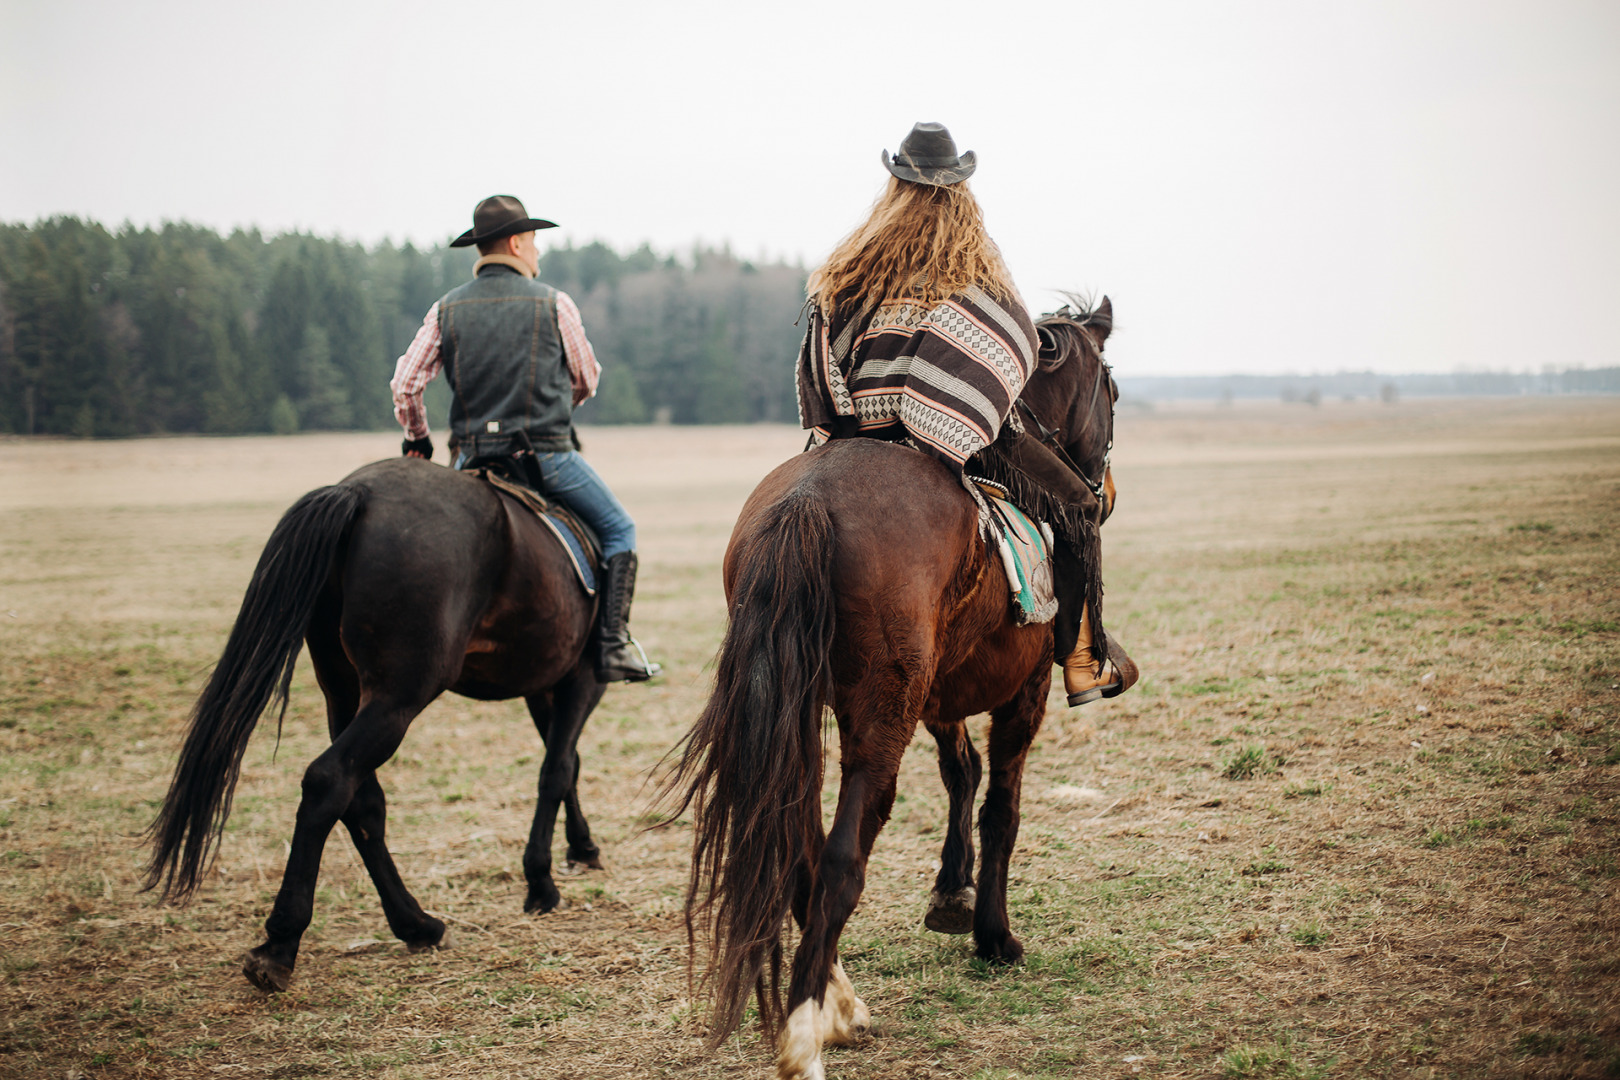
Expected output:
(1360, 817)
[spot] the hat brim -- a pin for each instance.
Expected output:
(471, 237)
(943, 176)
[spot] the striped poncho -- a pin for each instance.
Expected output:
(948, 375)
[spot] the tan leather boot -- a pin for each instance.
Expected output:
(1087, 680)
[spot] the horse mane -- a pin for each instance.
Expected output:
(1078, 326)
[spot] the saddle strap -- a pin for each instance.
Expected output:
(547, 509)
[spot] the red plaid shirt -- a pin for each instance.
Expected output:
(421, 363)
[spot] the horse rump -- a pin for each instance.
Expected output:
(751, 767)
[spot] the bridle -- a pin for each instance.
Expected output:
(1049, 436)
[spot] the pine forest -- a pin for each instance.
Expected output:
(182, 330)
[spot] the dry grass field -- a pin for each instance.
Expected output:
(1360, 818)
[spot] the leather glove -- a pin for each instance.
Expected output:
(422, 446)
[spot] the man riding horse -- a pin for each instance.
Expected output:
(518, 362)
(918, 335)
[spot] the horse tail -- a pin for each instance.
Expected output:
(254, 671)
(751, 767)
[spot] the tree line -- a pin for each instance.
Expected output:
(182, 330)
(1354, 385)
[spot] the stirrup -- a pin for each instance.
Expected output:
(1125, 675)
(1101, 690)
(608, 672)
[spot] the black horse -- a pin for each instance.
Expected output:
(406, 580)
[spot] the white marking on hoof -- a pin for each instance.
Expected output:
(800, 1056)
(845, 1017)
(860, 1018)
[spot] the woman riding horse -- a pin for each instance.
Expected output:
(858, 580)
(918, 335)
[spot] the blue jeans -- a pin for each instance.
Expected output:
(566, 477)
(571, 481)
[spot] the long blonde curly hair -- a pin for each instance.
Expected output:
(921, 242)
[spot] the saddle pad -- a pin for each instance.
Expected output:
(577, 538)
(1025, 550)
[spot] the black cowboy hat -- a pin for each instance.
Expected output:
(928, 156)
(498, 216)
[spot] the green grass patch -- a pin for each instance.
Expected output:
(1310, 935)
(1279, 1059)
(1247, 763)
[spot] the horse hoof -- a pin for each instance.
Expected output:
(444, 942)
(540, 905)
(860, 1021)
(574, 867)
(581, 861)
(951, 913)
(844, 1017)
(1006, 951)
(266, 974)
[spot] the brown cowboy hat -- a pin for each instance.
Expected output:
(498, 216)
(928, 156)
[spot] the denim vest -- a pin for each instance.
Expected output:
(503, 356)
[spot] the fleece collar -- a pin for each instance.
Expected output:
(503, 260)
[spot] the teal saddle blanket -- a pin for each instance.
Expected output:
(1025, 549)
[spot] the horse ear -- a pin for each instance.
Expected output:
(1103, 319)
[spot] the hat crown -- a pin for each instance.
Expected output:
(929, 145)
(495, 211)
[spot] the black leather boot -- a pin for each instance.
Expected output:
(618, 657)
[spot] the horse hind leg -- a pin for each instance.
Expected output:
(950, 905)
(366, 818)
(330, 786)
(835, 1016)
(822, 1007)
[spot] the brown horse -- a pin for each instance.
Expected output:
(857, 579)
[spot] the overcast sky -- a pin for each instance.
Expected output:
(1260, 187)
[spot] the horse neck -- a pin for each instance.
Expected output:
(1091, 424)
(1076, 403)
